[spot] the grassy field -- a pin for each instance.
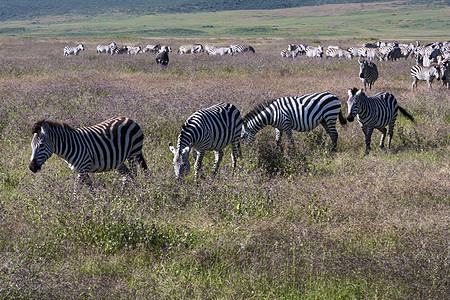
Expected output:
(394, 20)
(304, 225)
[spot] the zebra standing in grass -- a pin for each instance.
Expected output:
(375, 112)
(301, 113)
(213, 129)
(423, 73)
(98, 148)
(242, 49)
(368, 73)
(73, 50)
(195, 48)
(314, 51)
(338, 52)
(107, 48)
(163, 56)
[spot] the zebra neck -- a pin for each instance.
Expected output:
(259, 121)
(65, 141)
(185, 139)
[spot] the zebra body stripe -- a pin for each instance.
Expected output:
(302, 113)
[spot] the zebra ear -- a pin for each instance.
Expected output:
(352, 92)
(359, 92)
(172, 148)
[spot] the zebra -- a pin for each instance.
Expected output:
(370, 53)
(152, 48)
(213, 129)
(424, 73)
(314, 51)
(213, 50)
(133, 49)
(445, 70)
(300, 113)
(374, 112)
(368, 73)
(117, 50)
(162, 57)
(73, 50)
(98, 148)
(195, 48)
(242, 48)
(106, 49)
(337, 52)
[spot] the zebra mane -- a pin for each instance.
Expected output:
(53, 124)
(258, 109)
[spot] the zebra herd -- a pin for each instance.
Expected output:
(109, 144)
(432, 60)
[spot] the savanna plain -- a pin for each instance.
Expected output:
(305, 224)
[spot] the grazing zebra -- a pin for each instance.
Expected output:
(107, 48)
(133, 49)
(368, 73)
(370, 53)
(290, 53)
(337, 52)
(73, 50)
(375, 112)
(163, 56)
(152, 48)
(301, 113)
(98, 148)
(423, 73)
(195, 48)
(213, 50)
(117, 50)
(242, 48)
(213, 129)
(314, 51)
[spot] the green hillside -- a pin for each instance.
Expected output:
(29, 9)
(396, 20)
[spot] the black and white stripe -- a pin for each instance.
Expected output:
(374, 112)
(423, 73)
(98, 148)
(337, 52)
(106, 48)
(242, 48)
(301, 113)
(73, 50)
(212, 128)
(213, 50)
(162, 57)
(368, 73)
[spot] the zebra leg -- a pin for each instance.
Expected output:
(82, 179)
(218, 155)
(126, 173)
(368, 133)
(383, 136)
(390, 133)
(278, 136)
(414, 84)
(198, 162)
(331, 130)
(235, 152)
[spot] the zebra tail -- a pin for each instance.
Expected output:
(405, 113)
(141, 161)
(342, 120)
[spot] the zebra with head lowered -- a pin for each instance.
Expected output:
(212, 128)
(368, 73)
(423, 73)
(195, 48)
(314, 51)
(98, 148)
(242, 48)
(213, 50)
(107, 48)
(73, 50)
(375, 112)
(162, 57)
(301, 113)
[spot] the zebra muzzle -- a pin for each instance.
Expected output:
(34, 167)
(350, 118)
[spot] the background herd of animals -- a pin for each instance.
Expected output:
(373, 225)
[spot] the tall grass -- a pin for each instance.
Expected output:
(304, 224)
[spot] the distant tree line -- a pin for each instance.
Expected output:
(29, 9)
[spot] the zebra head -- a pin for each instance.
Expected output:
(352, 103)
(181, 163)
(362, 66)
(42, 146)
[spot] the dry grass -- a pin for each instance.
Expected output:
(306, 224)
